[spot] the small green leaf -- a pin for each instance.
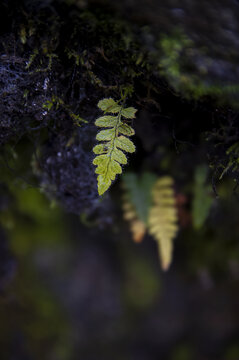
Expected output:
(109, 105)
(125, 144)
(114, 168)
(129, 113)
(101, 161)
(100, 149)
(119, 156)
(106, 121)
(104, 135)
(103, 185)
(126, 130)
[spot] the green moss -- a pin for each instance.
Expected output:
(58, 102)
(176, 64)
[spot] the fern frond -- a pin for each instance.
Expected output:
(139, 189)
(114, 138)
(162, 220)
(137, 201)
(137, 227)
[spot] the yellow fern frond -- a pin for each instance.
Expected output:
(162, 222)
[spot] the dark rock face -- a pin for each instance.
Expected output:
(67, 169)
(66, 172)
(22, 93)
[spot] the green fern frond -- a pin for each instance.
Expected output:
(162, 220)
(110, 157)
(139, 190)
(137, 227)
(136, 202)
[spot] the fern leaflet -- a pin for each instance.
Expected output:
(162, 220)
(114, 139)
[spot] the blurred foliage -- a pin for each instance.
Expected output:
(173, 48)
(176, 64)
(36, 315)
(139, 189)
(31, 221)
(142, 284)
(137, 227)
(150, 203)
(232, 353)
(163, 218)
(202, 200)
(233, 159)
(183, 352)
